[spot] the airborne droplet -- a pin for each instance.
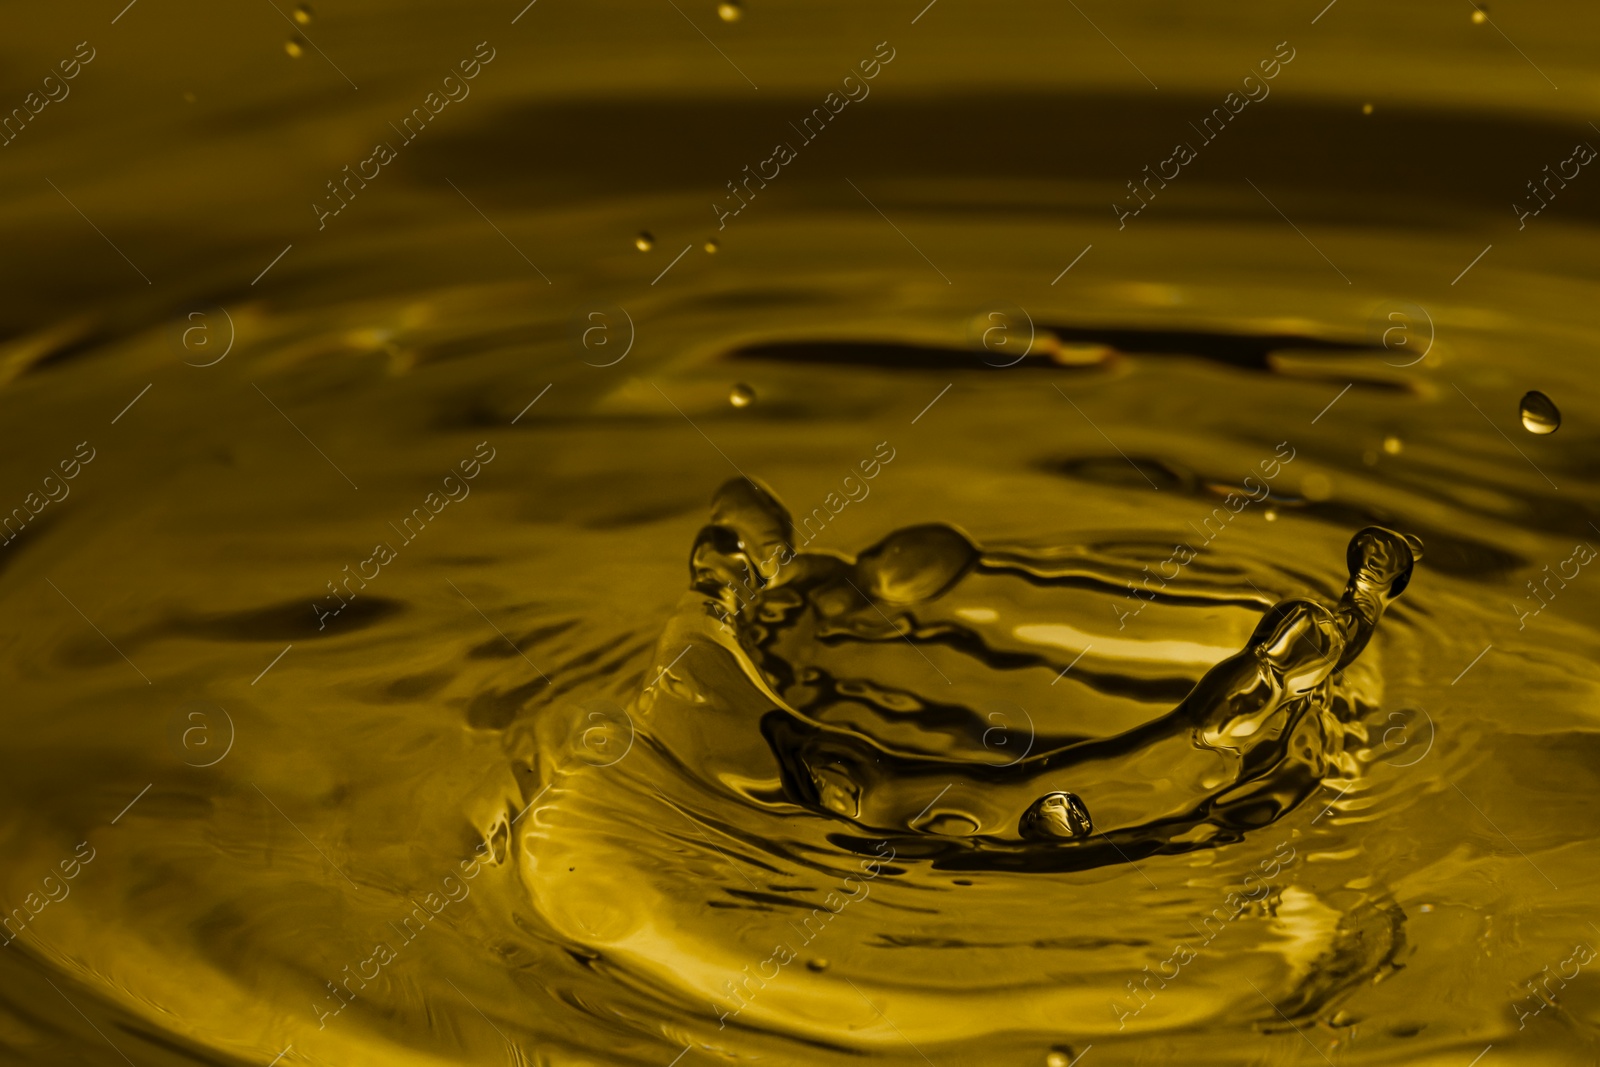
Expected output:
(741, 396)
(302, 14)
(1539, 413)
(644, 242)
(1054, 817)
(730, 10)
(294, 47)
(1316, 486)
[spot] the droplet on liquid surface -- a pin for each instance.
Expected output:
(1056, 816)
(1539, 413)
(916, 564)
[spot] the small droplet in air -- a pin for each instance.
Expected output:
(1479, 17)
(741, 396)
(1366, 109)
(1316, 486)
(189, 96)
(819, 964)
(1393, 445)
(1057, 1059)
(302, 14)
(1056, 816)
(294, 47)
(1539, 413)
(644, 242)
(730, 10)
(1271, 514)
(711, 247)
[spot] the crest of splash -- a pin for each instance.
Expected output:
(1244, 746)
(815, 717)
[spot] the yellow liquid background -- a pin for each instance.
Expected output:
(363, 766)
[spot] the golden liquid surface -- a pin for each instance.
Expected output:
(369, 699)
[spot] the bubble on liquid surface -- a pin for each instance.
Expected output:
(1056, 816)
(1539, 413)
(916, 564)
(741, 396)
(644, 242)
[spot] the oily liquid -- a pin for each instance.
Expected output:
(968, 644)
